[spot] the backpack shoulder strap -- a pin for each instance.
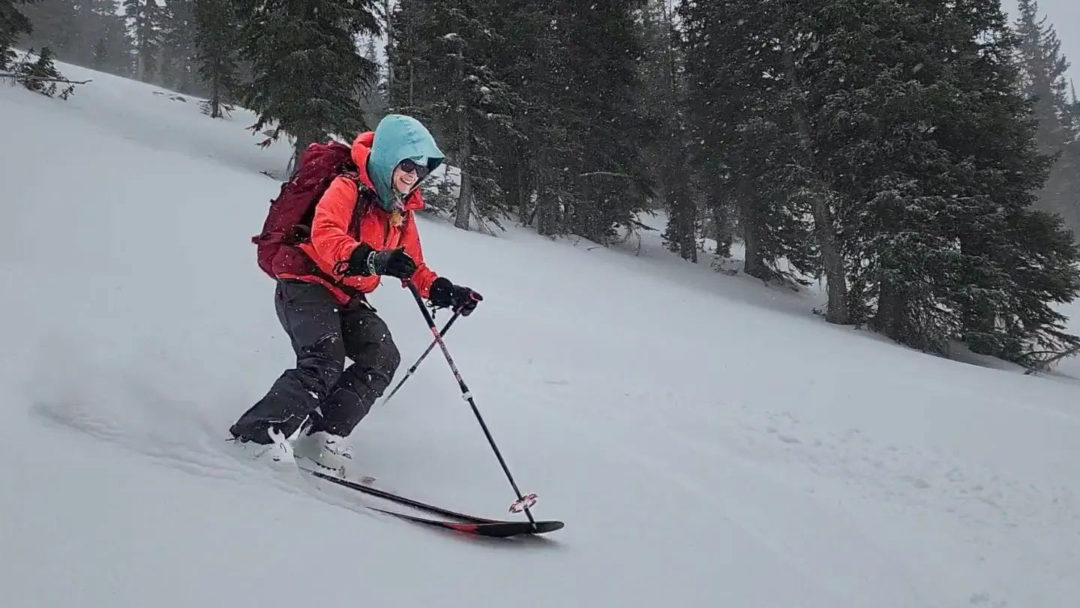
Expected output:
(362, 202)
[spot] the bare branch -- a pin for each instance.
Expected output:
(606, 173)
(643, 226)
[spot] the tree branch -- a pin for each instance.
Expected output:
(642, 226)
(42, 78)
(606, 173)
(1044, 365)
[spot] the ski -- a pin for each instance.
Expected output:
(494, 529)
(469, 524)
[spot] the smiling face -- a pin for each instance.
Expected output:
(404, 180)
(407, 174)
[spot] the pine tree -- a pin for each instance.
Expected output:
(83, 32)
(179, 51)
(56, 26)
(41, 76)
(309, 74)
(743, 109)
(446, 47)
(216, 39)
(146, 20)
(525, 155)
(1032, 251)
(534, 160)
(1074, 109)
(375, 101)
(612, 181)
(662, 99)
(12, 25)
(930, 149)
(574, 163)
(112, 43)
(1043, 70)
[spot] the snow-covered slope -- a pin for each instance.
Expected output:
(708, 440)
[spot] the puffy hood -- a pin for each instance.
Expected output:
(396, 138)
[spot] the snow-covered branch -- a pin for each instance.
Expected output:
(42, 78)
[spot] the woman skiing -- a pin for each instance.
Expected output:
(363, 228)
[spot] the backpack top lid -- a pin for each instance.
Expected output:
(396, 138)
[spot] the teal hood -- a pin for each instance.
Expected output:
(396, 138)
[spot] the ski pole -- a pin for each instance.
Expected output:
(468, 397)
(412, 369)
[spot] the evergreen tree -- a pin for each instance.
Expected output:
(56, 26)
(662, 105)
(216, 40)
(930, 148)
(758, 166)
(375, 101)
(446, 49)
(112, 43)
(534, 160)
(574, 163)
(146, 21)
(84, 32)
(41, 75)
(1074, 108)
(1043, 70)
(309, 74)
(543, 91)
(1031, 250)
(898, 128)
(526, 156)
(12, 25)
(611, 181)
(179, 52)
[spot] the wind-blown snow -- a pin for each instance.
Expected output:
(708, 440)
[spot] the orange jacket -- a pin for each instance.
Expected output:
(331, 241)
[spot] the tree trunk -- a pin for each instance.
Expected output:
(836, 278)
(464, 140)
(464, 203)
(681, 228)
(722, 229)
(754, 263)
(215, 97)
(546, 210)
(890, 311)
(140, 65)
(303, 140)
(389, 39)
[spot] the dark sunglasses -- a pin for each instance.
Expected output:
(408, 166)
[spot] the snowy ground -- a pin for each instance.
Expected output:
(708, 440)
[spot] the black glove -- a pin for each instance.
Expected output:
(461, 299)
(366, 261)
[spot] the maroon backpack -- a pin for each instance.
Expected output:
(289, 221)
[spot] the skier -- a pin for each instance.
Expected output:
(363, 228)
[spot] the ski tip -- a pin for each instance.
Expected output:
(543, 527)
(505, 529)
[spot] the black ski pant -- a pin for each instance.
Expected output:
(323, 334)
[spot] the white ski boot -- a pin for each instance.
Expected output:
(279, 452)
(328, 453)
